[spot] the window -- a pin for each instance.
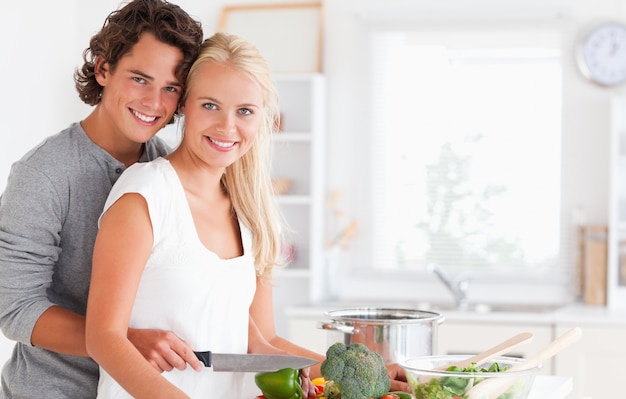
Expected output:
(466, 150)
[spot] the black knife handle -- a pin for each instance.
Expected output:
(204, 357)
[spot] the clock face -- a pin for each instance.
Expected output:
(602, 54)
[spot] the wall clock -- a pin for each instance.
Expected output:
(602, 54)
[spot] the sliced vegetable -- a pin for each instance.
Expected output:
(319, 381)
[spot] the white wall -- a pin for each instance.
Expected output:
(39, 53)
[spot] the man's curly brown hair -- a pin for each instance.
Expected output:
(122, 29)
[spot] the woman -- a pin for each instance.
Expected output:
(185, 240)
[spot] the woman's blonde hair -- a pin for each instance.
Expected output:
(247, 180)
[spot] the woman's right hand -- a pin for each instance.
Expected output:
(164, 350)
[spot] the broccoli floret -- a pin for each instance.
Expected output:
(354, 372)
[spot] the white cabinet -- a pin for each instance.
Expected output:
(298, 156)
(305, 331)
(595, 363)
(616, 274)
(471, 337)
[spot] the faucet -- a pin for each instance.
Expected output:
(458, 286)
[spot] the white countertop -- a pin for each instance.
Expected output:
(574, 314)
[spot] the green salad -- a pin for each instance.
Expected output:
(455, 387)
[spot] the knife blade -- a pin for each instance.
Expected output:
(252, 362)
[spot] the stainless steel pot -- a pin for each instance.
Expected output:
(395, 334)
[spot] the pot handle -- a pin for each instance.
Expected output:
(338, 327)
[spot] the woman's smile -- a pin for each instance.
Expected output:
(222, 144)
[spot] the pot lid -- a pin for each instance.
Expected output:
(384, 315)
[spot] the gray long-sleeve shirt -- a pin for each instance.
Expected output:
(48, 224)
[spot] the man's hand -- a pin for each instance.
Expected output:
(397, 375)
(164, 350)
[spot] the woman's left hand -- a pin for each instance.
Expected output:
(397, 375)
(308, 388)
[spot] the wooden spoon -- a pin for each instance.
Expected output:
(494, 387)
(500, 349)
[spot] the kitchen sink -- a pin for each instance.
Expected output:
(490, 308)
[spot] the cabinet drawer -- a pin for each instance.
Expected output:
(595, 363)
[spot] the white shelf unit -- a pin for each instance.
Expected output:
(299, 156)
(616, 273)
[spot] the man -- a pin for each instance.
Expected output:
(133, 74)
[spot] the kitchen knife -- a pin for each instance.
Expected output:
(252, 362)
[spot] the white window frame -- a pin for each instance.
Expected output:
(360, 281)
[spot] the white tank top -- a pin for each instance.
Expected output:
(185, 288)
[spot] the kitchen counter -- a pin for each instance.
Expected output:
(576, 314)
(575, 369)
